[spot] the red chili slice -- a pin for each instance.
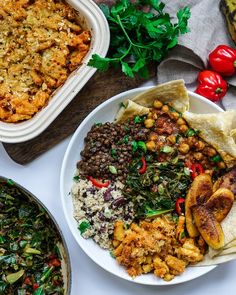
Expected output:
(97, 183)
(144, 166)
(178, 208)
(35, 286)
(196, 169)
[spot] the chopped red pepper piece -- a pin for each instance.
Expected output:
(144, 166)
(178, 207)
(27, 281)
(196, 169)
(97, 183)
(54, 262)
(35, 286)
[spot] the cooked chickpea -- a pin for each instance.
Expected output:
(157, 104)
(221, 165)
(174, 115)
(155, 116)
(149, 123)
(151, 146)
(211, 152)
(200, 145)
(171, 139)
(192, 140)
(209, 171)
(165, 108)
(198, 156)
(153, 136)
(181, 121)
(150, 115)
(183, 128)
(184, 148)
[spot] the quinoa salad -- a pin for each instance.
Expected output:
(146, 184)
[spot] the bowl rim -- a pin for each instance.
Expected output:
(40, 203)
(96, 22)
(63, 171)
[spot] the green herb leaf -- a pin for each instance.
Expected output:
(138, 36)
(83, 226)
(142, 146)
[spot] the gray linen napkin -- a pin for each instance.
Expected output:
(207, 30)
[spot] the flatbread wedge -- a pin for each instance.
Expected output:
(217, 129)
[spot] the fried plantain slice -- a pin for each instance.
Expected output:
(199, 192)
(208, 226)
(227, 181)
(220, 203)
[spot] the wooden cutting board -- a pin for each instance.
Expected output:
(99, 88)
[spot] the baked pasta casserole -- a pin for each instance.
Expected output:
(41, 43)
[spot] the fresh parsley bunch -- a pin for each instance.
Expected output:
(139, 36)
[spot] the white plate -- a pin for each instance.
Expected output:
(92, 18)
(103, 113)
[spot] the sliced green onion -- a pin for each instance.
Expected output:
(47, 274)
(112, 169)
(191, 132)
(167, 149)
(13, 277)
(31, 251)
(186, 171)
(154, 213)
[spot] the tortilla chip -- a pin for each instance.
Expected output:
(217, 129)
(129, 110)
(174, 93)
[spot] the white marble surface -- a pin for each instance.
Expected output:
(41, 177)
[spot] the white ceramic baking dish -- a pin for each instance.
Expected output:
(92, 18)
